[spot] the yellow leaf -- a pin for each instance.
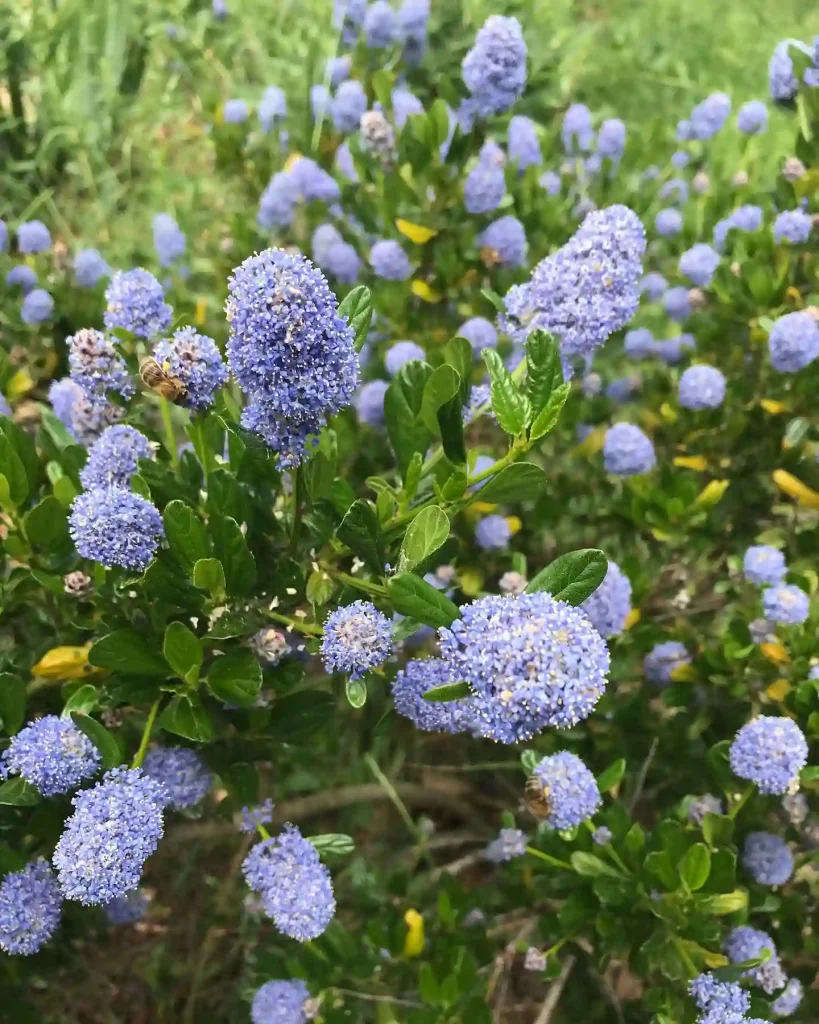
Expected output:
(484, 507)
(668, 413)
(712, 493)
(291, 160)
(660, 535)
(774, 652)
(632, 618)
(684, 674)
(795, 488)
(64, 663)
(691, 462)
(414, 942)
(772, 406)
(423, 291)
(514, 524)
(415, 232)
(779, 689)
(201, 311)
(471, 582)
(592, 444)
(715, 959)
(20, 384)
(796, 295)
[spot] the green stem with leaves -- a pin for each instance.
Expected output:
(554, 861)
(170, 436)
(309, 628)
(735, 808)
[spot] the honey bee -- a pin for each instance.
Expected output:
(163, 383)
(536, 798)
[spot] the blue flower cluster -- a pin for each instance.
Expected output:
(715, 997)
(699, 263)
(531, 662)
(484, 188)
(52, 754)
(357, 638)
(747, 943)
(659, 664)
(96, 365)
(37, 307)
(114, 457)
(627, 451)
(389, 261)
(252, 817)
(84, 418)
(503, 243)
(290, 351)
(347, 106)
(369, 402)
(788, 1001)
(400, 353)
(196, 362)
(114, 526)
(523, 144)
(770, 752)
(701, 387)
(569, 789)
(752, 118)
(510, 843)
(335, 255)
(786, 603)
(90, 267)
(668, 222)
(30, 908)
(767, 858)
(169, 239)
(115, 827)
(480, 333)
(763, 564)
(409, 687)
(608, 607)
(33, 237)
(127, 909)
(135, 302)
(182, 773)
(793, 226)
(577, 132)
(492, 533)
(294, 886)
(744, 218)
(590, 287)
(793, 342)
(494, 70)
(280, 1002)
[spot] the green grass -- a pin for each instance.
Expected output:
(131, 153)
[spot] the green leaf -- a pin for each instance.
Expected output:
(544, 371)
(336, 844)
(548, 416)
(12, 702)
(22, 442)
(46, 524)
(443, 385)
(322, 468)
(236, 678)
(55, 428)
(572, 577)
(357, 309)
(64, 491)
(185, 716)
(186, 534)
(82, 700)
(208, 574)
(458, 353)
(717, 829)
(183, 651)
(447, 692)
(426, 533)
(724, 903)
(521, 481)
(608, 779)
(356, 691)
(319, 588)
(439, 118)
(658, 864)
(19, 793)
(361, 532)
(510, 406)
(695, 866)
(529, 760)
(402, 413)
(454, 485)
(12, 468)
(230, 547)
(130, 653)
(495, 299)
(300, 715)
(381, 82)
(589, 866)
(413, 596)
(100, 737)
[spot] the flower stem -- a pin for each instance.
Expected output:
(170, 437)
(352, 581)
(554, 861)
(737, 807)
(146, 734)
(310, 628)
(298, 499)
